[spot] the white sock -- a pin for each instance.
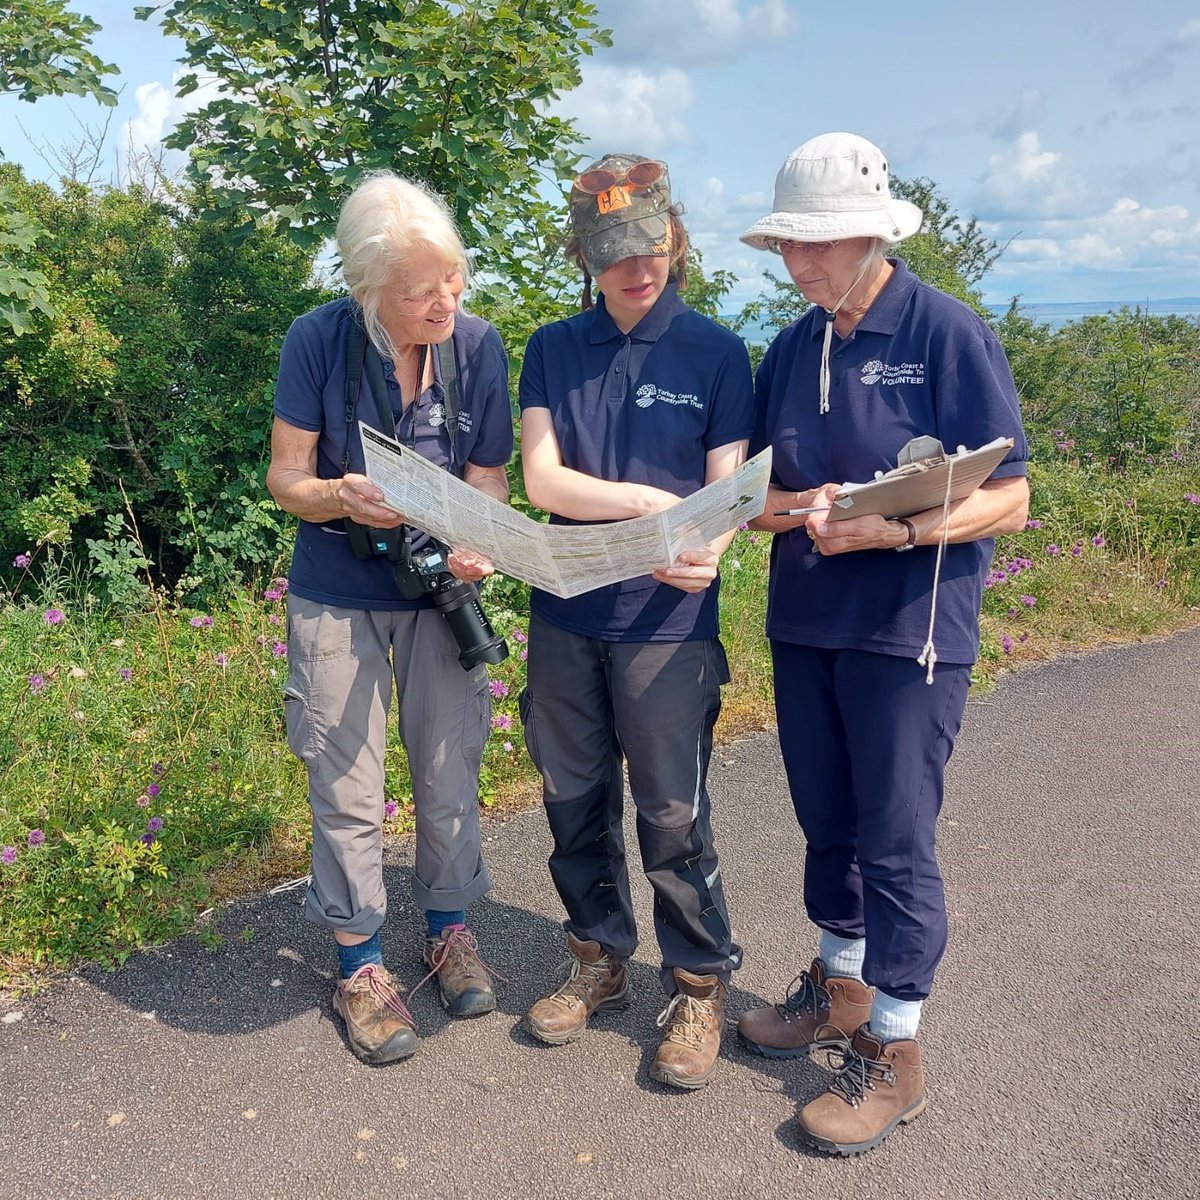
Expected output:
(842, 956)
(894, 1020)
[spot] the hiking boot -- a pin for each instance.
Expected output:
(462, 975)
(687, 1054)
(879, 1085)
(380, 1028)
(814, 999)
(596, 980)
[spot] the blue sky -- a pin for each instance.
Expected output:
(1068, 129)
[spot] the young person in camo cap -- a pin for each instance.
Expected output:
(626, 408)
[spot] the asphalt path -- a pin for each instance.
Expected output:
(1061, 1042)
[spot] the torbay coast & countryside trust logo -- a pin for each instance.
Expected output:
(875, 371)
(649, 392)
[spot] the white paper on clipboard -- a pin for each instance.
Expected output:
(919, 481)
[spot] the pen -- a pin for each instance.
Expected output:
(802, 512)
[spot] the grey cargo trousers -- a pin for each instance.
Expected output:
(342, 665)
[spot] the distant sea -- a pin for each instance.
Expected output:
(1056, 315)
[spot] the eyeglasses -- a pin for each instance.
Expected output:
(816, 249)
(640, 175)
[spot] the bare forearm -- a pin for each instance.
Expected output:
(998, 506)
(304, 495)
(582, 497)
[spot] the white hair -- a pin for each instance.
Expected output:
(384, 223)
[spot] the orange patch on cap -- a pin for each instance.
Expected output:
(613, 200)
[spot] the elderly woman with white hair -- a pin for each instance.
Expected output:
(399, 354)
(880, 359)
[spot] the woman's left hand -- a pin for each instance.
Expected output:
(856, 533)
(693, 571)
(469, 566)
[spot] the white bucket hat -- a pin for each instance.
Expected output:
(834, 186)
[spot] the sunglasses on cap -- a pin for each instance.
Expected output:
(598, 180)
(783, 246)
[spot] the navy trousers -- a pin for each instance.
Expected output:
(590, 708)
(865, 744)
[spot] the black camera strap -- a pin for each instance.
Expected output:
(361, 356)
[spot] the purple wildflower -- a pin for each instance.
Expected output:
(8, 855)
(21, 562)
(503, 721)
(1162, 583)
(519, 637)
(143, 801)
(1012, 612)
(36, 683)
(1098, 540)
(523, 655)
(55, 616)
(1053, 550)
(36, 837)
(222, 660)
(275, 620)
(1077, 550)
(754, 539)
(148, 839)
(1191, 497)
(158, 769)
(279, 650)
(126, 674)
(1029, 601)
(1024, 637)
(153, 790)
(1006, 644)
(508, 747)
(154, 824)
(272, 594)
(1033, 523)
(390, 809)
(498, 689)
(1129, 502)
(196, 622)
(744, 526)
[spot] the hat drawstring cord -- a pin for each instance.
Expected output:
(830, 313)
(928, 655)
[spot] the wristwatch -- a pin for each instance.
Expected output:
(912, 534)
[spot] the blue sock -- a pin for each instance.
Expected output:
(438, 920)
(353, 957)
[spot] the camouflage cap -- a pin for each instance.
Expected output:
(621, 218)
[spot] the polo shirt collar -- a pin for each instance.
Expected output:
(888, 307)
(649, 329)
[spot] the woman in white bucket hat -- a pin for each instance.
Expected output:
(880, 359)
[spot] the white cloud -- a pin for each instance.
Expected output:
(689, 32)
(1128, 235)
(1027, 180)
(159, 111)
(628, 108)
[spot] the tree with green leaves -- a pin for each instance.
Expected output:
(44, 51)
(312, 96)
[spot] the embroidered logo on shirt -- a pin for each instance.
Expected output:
(437, 415)
(649, 392)
(889, 375)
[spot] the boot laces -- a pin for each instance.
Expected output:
(856, 1075)
(581, 977)
(804, 995)
(370, 978)
(459, 942)
(688, 1019)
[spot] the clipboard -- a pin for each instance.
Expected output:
(918, 481)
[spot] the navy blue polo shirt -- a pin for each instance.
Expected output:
(919, 362)
(643, 407)
(310, 393)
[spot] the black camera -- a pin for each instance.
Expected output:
(422, 570)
